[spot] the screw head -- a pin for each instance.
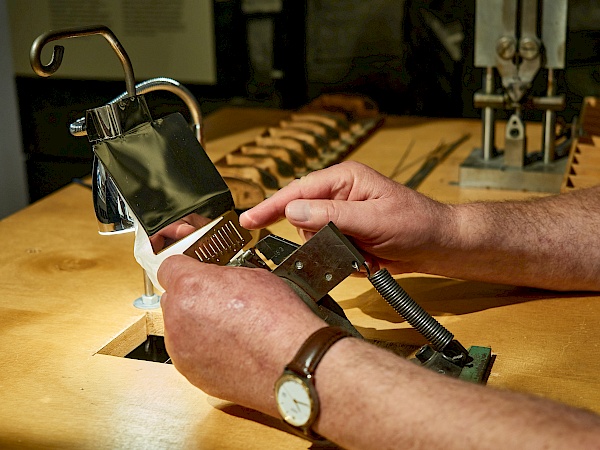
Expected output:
(299, 265)
(529, 48)
(506, 47)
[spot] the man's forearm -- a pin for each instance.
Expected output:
(371, 399)
(551, 243)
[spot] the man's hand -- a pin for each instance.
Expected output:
(394, 226)
(231, 330)
(550, 242)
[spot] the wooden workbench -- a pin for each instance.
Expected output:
(67, 292)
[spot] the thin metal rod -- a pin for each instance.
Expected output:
(488, 122)
(45, 70)
(549, 136)
(402, 159)
(438, 155)
(148, 286)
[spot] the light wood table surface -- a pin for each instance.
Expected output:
(67, 292)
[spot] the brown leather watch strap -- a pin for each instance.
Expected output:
(314, 348)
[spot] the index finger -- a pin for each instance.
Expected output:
(333, 182)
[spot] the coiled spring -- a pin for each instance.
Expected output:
(403, 304)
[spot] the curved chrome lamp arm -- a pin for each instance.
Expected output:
(45, 70)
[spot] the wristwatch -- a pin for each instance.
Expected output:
(295, 392)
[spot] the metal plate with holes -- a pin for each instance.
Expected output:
(322, 262)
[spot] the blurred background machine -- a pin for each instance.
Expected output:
(520, 40)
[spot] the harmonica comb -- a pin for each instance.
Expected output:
(221, 242)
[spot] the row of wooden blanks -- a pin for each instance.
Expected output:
(583, 167)
(297, 146)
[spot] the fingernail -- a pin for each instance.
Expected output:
(298, 211)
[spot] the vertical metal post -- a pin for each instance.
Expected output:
(488, 119)
(549, 135)
(148, 287)
(554, 32)
(149, 300)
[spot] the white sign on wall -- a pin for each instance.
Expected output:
(169, 38)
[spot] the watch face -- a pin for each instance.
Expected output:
(294, 400)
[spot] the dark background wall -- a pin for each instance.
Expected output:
(283, 53)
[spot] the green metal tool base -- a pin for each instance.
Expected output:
(477, 371)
